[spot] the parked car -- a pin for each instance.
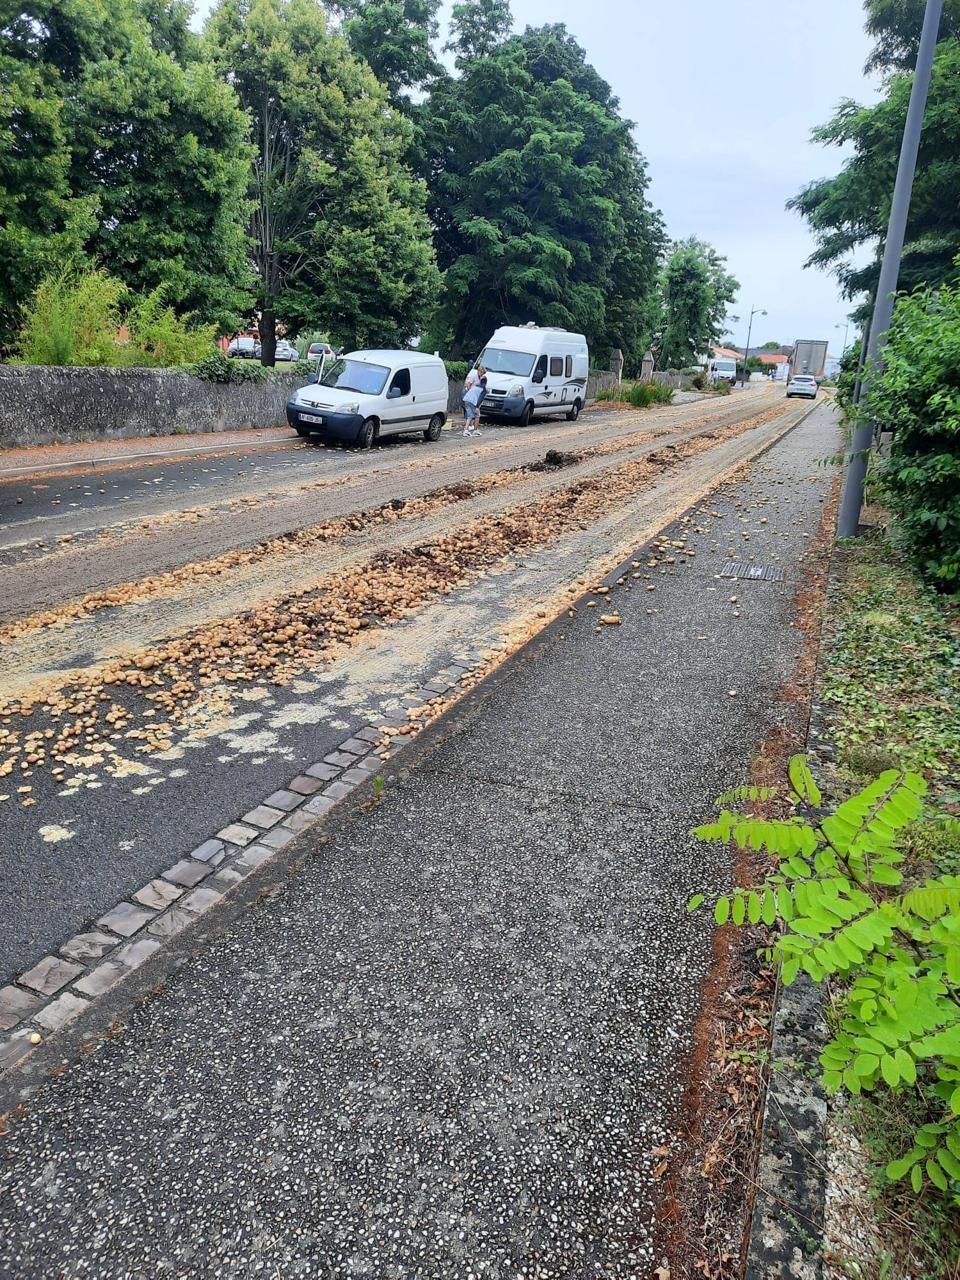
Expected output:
(534, 372)
(243, 348)
(285, 351)
(802, 384)
(367, 395)
(319, 351)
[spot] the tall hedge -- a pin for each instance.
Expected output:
(917, 396)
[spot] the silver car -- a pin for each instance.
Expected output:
(803, 384)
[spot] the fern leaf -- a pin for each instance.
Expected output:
(801, 779)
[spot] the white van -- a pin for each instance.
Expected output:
(534, 372)
(722, 369)
(366, 395)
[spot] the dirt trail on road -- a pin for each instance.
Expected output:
(256, 508)
(379, 580)
(141, 615)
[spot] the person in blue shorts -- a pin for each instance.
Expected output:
(472, 399)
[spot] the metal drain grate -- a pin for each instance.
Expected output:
(763, 572)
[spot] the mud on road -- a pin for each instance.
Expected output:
(138, 717)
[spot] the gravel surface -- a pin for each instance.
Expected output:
(449, 1047)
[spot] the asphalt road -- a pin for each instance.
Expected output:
(452, 1045)
(112, 488)
(115, 818)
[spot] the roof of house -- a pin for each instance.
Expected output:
(726, 353)
(770, 357)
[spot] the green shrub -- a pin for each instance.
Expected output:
(917, 396)
(639, 394)
(217, 367)
(722, 388)
(838, 895)
(160, 338)
(456, 369)
(72, 319)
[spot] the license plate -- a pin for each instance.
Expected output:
(311, 417)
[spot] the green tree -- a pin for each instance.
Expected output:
(850, 210)
(339, 236)
(394, 38)
(696, 291)
(40, 222)
(477, 27)
(535, 184)
(896, 25)
(118, 140)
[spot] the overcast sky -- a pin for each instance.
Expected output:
(724, 96)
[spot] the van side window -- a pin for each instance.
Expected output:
(568, 370)
(556, 366)
(540, 372)
(401, 382)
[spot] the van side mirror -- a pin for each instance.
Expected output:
(538, 375)
(394, 393)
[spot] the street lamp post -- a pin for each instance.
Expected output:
(846, 329)
(757, 311)
(852, 500)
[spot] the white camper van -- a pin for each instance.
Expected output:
(534, 372)
(366, 395)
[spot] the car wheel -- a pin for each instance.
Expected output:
(574, 413)
(367, 434)
(524, 419)
(303, 431)
(436, 426)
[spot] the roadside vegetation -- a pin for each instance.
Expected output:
(865, 892)
(86, 317)
(868, 897)
(638, 395)
(916, 395)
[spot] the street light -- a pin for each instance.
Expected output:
(852, 500)
(846, 329)
(757, 311)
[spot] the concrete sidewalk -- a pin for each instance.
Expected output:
(449, 1045)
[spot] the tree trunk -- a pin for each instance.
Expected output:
(268, 339)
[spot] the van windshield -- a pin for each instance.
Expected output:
(497, 360)
(356, 375)
(724, 366)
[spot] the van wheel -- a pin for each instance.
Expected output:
(368, 434)
(436, 426)
(524, 419)
(574, 413)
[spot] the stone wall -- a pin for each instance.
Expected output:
(44, 405)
